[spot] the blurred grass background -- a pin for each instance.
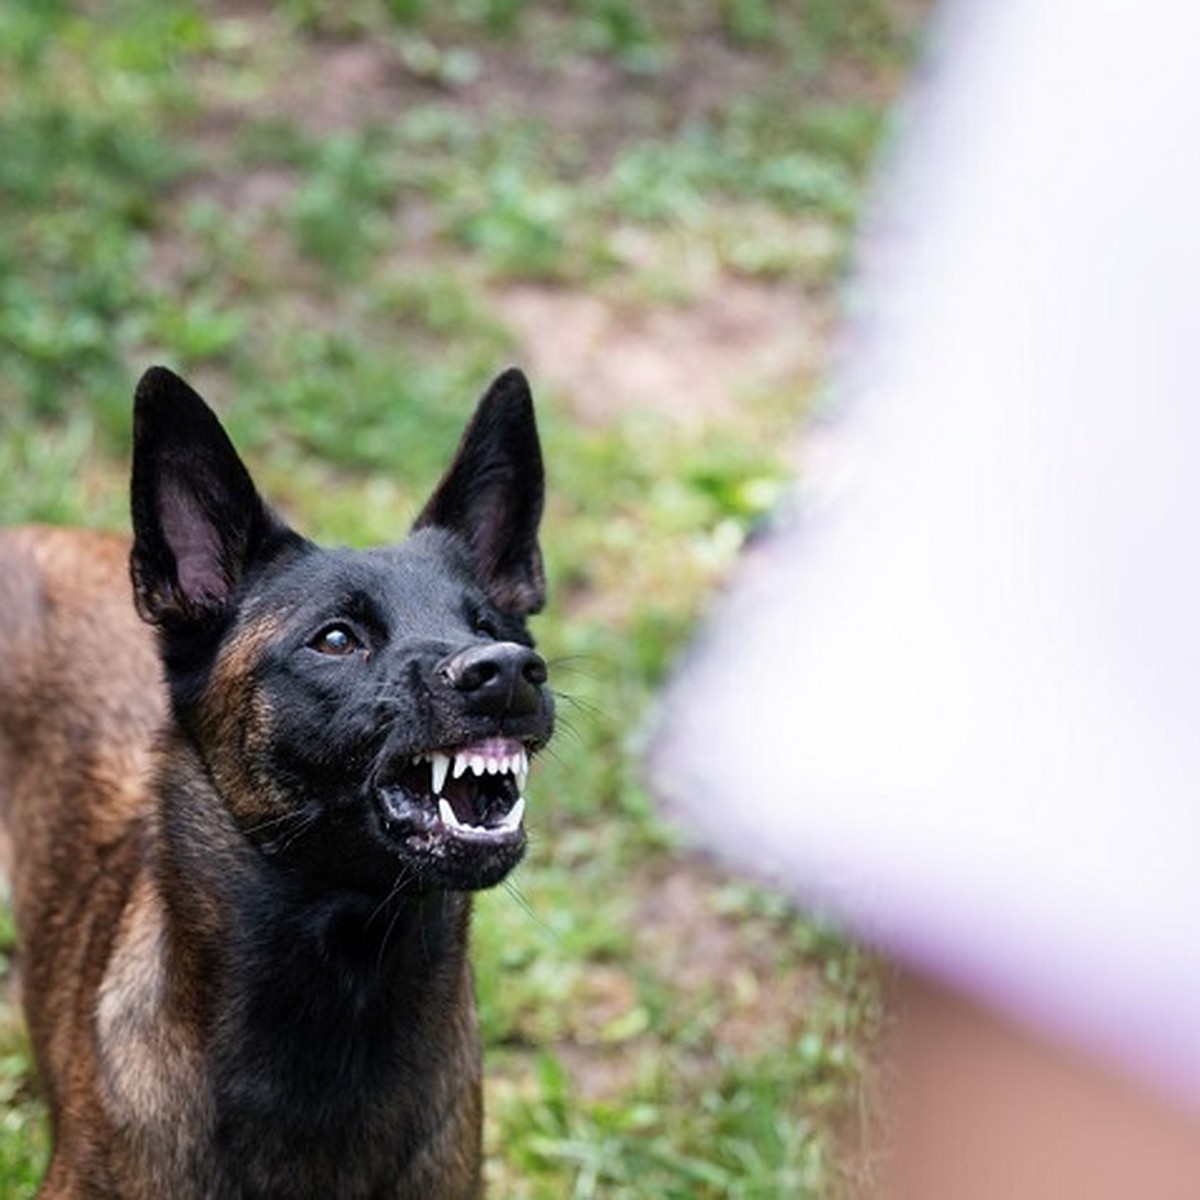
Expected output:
(339, 220)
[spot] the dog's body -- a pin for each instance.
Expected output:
(244, 829)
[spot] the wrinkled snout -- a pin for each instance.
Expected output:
(497, 679)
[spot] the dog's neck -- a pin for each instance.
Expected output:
(263, 923)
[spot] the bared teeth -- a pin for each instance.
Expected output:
(439, 768)
(443, 766)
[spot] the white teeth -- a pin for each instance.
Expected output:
(512, 819)
(504, 764)
(439, 768)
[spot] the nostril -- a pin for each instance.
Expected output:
(498, 678)
(476, 675)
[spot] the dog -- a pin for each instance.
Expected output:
(247, 801)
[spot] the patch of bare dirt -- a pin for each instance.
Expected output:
(337, 82)
(731, 966)
(734, 988)
(695, 361)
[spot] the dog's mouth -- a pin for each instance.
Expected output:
(472, 793)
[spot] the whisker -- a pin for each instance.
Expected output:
(522, 902)
(290, 838)
(565, 730)
(551, 751)
(401, 880)
(570, 664)
(278, 819)
(387, 934)
(583, 706)
(286, 837)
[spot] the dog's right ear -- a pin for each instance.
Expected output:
(198, 521)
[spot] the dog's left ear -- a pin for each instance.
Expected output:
(492, 496)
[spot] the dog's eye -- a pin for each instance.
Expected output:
(337, 641)
(485, 628)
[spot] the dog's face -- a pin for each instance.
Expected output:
(367, 716)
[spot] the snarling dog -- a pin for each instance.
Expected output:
(246, 804)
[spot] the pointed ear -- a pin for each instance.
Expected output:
(198, 521)
(492, 496)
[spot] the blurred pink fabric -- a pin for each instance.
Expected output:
(956, 700)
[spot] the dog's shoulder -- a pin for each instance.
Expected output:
(68, 587)
(81, 696)
(60, 587)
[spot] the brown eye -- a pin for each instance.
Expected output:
(337, 641)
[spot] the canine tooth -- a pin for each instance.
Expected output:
(439, 767)
(521, 770)
(447, 814)
(513, 819)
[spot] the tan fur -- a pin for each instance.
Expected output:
(243, 725)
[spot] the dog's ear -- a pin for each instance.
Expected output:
(492, 496)
(198, 521)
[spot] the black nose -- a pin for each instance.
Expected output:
(499, 679)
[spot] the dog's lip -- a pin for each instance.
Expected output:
(471, 793)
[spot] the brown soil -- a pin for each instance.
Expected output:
(695, 361)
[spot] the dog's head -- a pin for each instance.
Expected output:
(367, 716)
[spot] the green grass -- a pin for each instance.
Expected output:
(332, 267)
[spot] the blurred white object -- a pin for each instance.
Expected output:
(957, 700)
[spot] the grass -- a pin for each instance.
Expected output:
(320, 213)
